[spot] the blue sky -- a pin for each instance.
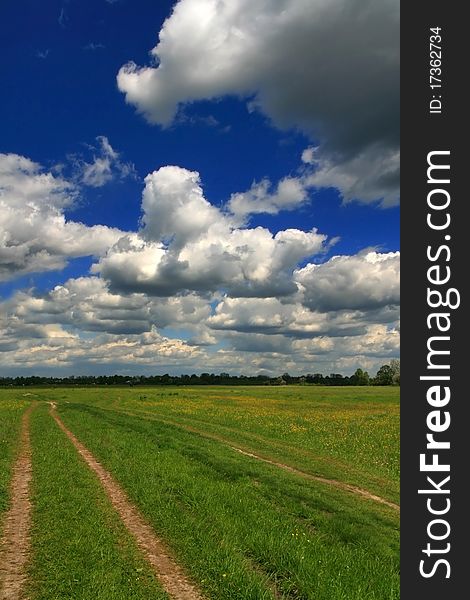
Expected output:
(262, 129)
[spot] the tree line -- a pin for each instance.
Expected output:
(386, 375)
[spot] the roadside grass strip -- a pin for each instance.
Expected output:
(244, 529)
(15, 542)
(80, 548)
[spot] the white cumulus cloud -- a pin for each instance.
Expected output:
(187, 244)
(35, 235)
(329, 68)
(364, 281)
(290, 193)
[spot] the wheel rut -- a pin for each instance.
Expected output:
(348, 487)
(15, 542)
(170, 574)
(334, 482)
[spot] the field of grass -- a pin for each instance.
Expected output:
(241, 528)
(348, 433)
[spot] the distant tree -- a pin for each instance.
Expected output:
(384, 376)
(336, 379)
(395, 366)
(316, 378)
(360, 377)
(224, 378)
(387, 375)
(205, 378)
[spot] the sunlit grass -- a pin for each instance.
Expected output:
(241, 527)
(347, 433)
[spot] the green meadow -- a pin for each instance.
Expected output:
(240, 527)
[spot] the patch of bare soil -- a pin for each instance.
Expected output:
(170, 574)
(15, 542)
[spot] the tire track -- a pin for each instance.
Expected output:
(334, 482)
(348, 487)
(170, 574)
(15, 543)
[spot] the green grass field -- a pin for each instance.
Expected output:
(241, 528)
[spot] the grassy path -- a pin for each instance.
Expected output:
(15, 543)
(168, 572)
